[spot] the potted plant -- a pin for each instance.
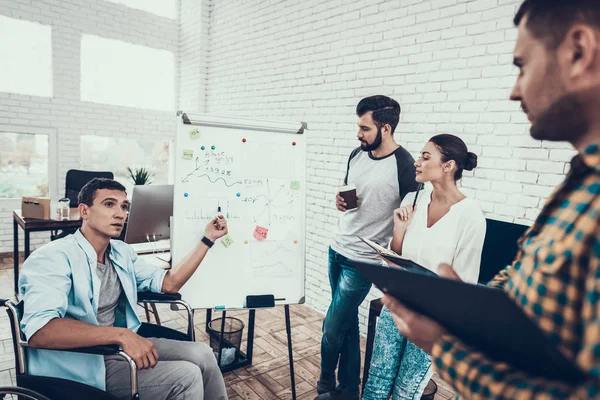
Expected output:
(141, 176)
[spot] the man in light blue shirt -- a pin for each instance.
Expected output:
(82, 291)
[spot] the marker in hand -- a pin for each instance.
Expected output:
(219, 216)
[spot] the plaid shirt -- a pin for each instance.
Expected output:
(555, 279)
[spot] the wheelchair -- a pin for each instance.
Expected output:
(50, 388)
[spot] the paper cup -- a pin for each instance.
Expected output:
(348, 193)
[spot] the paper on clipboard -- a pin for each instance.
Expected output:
(397, 259)
(380, 249)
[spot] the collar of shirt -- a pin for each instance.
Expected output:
(90, 252)
(586, 160)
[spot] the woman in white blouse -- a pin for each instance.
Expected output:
(444, 227)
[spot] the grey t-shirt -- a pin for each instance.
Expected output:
(381, 184)
(110, 292)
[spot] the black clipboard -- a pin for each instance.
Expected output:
(397, 259)
(482, 317)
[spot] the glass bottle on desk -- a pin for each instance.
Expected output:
(64, 208)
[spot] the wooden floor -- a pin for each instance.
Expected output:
(267, 378)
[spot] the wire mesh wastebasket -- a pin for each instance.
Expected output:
(232, 338)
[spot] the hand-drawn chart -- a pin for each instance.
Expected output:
(254, 174)
(271, 260)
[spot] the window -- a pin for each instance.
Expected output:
(99, 153)
(124, 74)
(24, 165)
(162, 8)
(26, 59)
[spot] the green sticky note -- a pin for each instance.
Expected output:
(195, 133)
(295, 185)
(227, 241)
(188, 154)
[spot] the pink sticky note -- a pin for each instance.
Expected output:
(260, 233)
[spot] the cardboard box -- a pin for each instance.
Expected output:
(35, 207)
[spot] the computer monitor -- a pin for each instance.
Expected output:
(149, 213)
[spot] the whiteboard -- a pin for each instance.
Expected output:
(256, 172)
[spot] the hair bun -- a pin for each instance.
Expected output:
(471, 161)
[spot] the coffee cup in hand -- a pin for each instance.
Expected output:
(348, 193)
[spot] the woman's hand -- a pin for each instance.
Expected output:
(402, 217)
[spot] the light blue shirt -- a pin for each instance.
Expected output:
(59, 281)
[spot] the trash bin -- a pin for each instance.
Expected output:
(232, 338)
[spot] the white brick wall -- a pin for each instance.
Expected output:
(448, 62)
(65, 113)
(193, 56)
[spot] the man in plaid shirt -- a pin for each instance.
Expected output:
(555, 277)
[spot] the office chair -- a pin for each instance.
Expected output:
(74, 181)
(57, 388)
(499, 247)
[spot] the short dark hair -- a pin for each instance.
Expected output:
(88, 191)
(550, 20)
(453, 148)
(385, 110)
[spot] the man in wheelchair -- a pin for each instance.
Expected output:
(81, 291)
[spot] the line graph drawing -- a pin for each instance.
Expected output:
(271, 260)
(207, 174)
(270, 202)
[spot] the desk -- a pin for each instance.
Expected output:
(37, 225)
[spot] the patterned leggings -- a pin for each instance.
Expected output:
(397, 364)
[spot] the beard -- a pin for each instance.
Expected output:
(563, 120)
(376, 142)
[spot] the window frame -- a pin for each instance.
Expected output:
(52, 154)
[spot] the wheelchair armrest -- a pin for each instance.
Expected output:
(103, 350)
(158, 297)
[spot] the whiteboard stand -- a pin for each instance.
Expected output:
(246, 359)
(226, 162)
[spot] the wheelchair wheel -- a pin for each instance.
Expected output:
(14, 393)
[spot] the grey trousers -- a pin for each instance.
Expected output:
(185, 371)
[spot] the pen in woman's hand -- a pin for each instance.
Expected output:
(419, 187)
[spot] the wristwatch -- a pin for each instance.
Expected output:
(207, 242)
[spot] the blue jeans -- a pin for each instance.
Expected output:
(396, 363)
(341, 337)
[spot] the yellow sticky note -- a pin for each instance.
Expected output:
(188, 154)
(195, 133)
(295, 185)
(227, 241)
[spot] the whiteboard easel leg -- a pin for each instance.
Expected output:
(250, 343)
(221, 339)
(288, 329)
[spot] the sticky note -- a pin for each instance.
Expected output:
(260, 233)
(195, 133)
(188, 154)
(295, 185)
(227, 241)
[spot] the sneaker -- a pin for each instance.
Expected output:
(430, 391)
(325, 387)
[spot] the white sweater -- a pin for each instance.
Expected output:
(456, 239)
